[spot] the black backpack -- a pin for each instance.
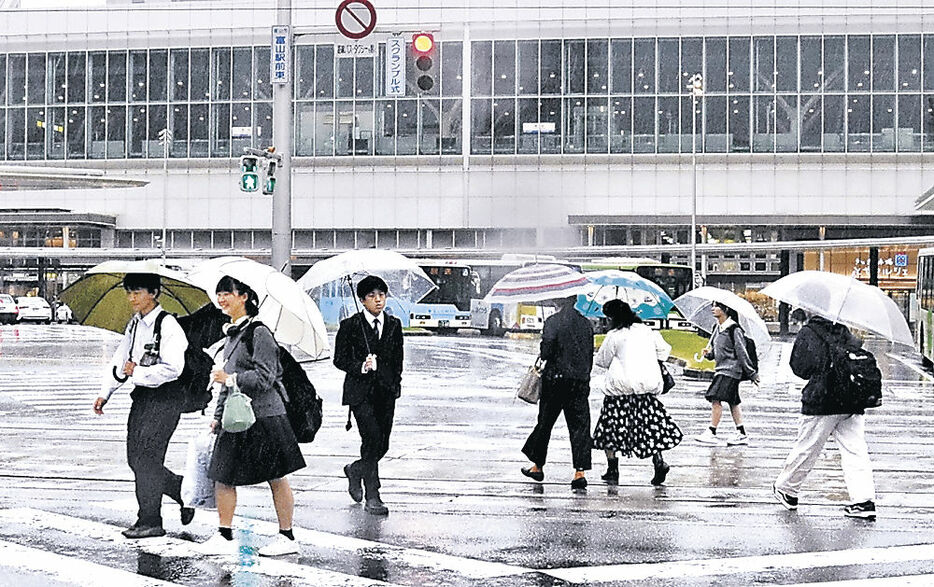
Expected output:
(854, 381)
(195, 376)
(750, 351)
(303, 407)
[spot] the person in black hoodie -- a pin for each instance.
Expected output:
(821, 417)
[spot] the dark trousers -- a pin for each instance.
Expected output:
(374, 421)
(569, 396)
(153, 418)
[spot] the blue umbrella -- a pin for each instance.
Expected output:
(646, 298)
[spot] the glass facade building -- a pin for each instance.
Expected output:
(763, 94)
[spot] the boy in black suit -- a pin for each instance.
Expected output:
(368, 348)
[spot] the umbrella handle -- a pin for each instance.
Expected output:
(118, 378)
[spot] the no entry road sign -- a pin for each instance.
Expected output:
(355, 18)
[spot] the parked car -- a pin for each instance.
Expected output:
(8, 310)
(64, 314)
(33, 308)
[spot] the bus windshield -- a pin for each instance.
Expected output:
(455, 285)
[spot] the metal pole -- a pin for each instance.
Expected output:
(693, 234)
(165, 187)
(282, 140)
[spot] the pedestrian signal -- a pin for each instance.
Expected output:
(249, 178)
(269, 186)
(424, 46)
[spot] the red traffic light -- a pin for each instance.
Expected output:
(423, 43)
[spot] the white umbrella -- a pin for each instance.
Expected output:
(696, 305)
(406, 280)
(283, 305)
(537, 283)
(840, 298)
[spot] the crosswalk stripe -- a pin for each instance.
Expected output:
(74, 571)
(747, 564)
(173, 547)
(905, 581)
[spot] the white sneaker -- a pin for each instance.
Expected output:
(217, 545)
(709, 438)
(280, 546)
(736, 438)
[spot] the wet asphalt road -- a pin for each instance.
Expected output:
(461, 514)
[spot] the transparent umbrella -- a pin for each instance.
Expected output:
(696, 305)
(405, 278)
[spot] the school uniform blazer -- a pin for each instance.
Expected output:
(350, 351)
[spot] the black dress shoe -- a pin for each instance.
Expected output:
(579, 483)
(144, 532)
(187, 515)
(354, 485)
(536, 475)
(611, 477)
(376, 507)
(660, 474)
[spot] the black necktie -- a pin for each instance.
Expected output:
(376, 328)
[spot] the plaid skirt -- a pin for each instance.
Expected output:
(635, 426)
(725, 389)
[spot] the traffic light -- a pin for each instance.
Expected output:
(269, 186)
(424, 46)
(249, 176)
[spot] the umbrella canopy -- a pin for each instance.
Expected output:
(405, 278)
(696, 305)
(283, 305)
(537, 283)
(646, 298)
(840, 298)
(98, 299)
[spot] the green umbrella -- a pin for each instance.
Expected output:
(98, 299)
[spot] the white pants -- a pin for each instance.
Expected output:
(813, 431)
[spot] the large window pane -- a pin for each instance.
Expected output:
(835, 108)
(16, 133)
(621, 124)
(157, 122)
(158, 76)
(220, 74)
(16, 80)
(859, 57)
(179, 126)
(35, 78)
(262, 123)
(2, 88)
(715, 79)
(927, 65)
(362, 127)
(407, 127)
(597, 121)
(97, 132)
(138, 79)
(669, 135)
(528, 71)
(883, 63)
(597, 67)
(834, 63)
(199, 129)
(621, 66)
(57, 87)
(305, 74)
(344, 77)
(55, 133)
(858, 122)
(739, 64)
(909, 123)
(643, 132)
(242, 63)
(574, 67)
(669, 70)
(220, 130)
(739, 123)
(812, 74)
(324, 128)
(117, 76)
(716, 139)
(179, 64)
(644, 67)
(574, 125)
(2, 134)
(363, 78)
(529, 129)
(77, 78)
(97, 84)
(927, 121)
(883, 123)
(324, 72)
(504, 125)
(138, 117)
(786, 64)
(452, 66)
(811, 122)
(909, 63)
(504, 68)
(241, 127)
(200, 82)
(786, 123)
(76, 129)
(116, 132)
(385, 127)
(550, 116)
(262, 89)
(763, 64)
(481, 126)
(550, 75)
(305, 127)
(763, 124)
(451, 116)
(429, 143)
(692, 61)
(36, 120)
(481, 65)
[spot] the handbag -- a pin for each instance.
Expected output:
(530, 387)
(238, 411)
(668, 380)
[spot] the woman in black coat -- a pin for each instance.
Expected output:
(265, 452)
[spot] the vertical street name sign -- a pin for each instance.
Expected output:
(395, 66)
(280, 57)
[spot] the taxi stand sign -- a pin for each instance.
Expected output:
(395, 66)
(280, 57)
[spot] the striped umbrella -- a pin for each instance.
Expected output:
(537, 283)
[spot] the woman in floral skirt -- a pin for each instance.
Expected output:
(633, 421)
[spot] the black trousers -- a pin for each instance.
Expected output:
(153, 418)
(568, 396)
(374, 421)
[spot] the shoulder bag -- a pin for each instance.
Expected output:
(530, 388)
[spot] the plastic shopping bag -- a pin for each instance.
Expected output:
(197, 487)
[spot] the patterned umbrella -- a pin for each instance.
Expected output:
(646, 298)
(537, 283)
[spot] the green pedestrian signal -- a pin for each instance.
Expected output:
(249, 182)
(269, 186)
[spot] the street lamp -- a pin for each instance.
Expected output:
(697, 91)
